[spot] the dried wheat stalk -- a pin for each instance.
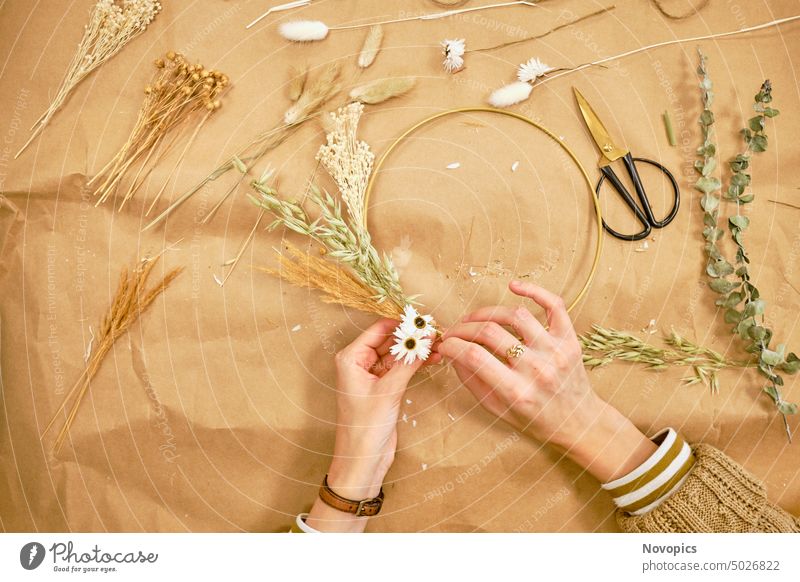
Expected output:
(131, 300)
(337, 284)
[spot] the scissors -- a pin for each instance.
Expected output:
(609, 153)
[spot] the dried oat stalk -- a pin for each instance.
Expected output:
(131, 300)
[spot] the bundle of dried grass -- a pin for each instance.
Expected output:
(179, 92)
(372, 45)
(382, 90)
(312, 98)
(131, 300)
(337, 284)
(112, 25)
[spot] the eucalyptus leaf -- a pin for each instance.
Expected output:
(758, 333)
(707, 117)
(753, 308)
(732, 316)
(759, 143)
(740, 179)
(709, 203)
(708, 184)
(733, 299)
(787, 408)
(773, 393)
(771, 358)
(756, 123)
(722, 285)
(743, 329)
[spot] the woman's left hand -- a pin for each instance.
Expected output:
(371, 385)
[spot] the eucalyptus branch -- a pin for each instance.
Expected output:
(747, 320)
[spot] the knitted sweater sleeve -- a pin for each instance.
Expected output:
(718, 495)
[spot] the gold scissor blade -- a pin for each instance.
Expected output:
(608, 149)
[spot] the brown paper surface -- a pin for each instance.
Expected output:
(214, 414)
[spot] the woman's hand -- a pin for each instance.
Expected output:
(371, 384)
(544, 392)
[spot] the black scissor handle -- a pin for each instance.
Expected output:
(644, 214)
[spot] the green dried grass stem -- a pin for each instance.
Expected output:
(603, 346)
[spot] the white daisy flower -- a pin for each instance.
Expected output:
(532, 70)
(408, 347)
(453, 51)
(415, 324)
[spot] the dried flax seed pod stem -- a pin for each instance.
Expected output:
(180, 94)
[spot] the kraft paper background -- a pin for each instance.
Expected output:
(216, 412)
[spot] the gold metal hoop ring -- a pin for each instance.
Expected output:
(598, 215)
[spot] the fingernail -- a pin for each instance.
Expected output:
(516, 282)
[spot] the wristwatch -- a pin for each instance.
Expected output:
(363, 508)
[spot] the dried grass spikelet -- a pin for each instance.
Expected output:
(131, 300)
(336, 283)
(382, 90)
(372, 45)
(510, 94)
(297, 82)
(303, 30)
(309, 102)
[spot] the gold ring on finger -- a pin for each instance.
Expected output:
(515, 351)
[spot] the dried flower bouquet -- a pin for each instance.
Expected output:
(112, 24)
(351, 272)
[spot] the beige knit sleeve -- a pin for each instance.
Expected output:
(719, 495)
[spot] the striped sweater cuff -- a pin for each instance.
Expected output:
(652, 482)
(300, 525)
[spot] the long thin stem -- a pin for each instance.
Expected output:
(544, 34)
(435, 15)
(671, 42)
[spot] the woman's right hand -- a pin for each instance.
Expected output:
(544, 392)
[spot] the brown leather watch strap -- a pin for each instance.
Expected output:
(363, 508)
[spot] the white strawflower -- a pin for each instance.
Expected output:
(410, 347)
(453, 51)
(303, 30)
(533, 69)
(414, 323)
(510, 94)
